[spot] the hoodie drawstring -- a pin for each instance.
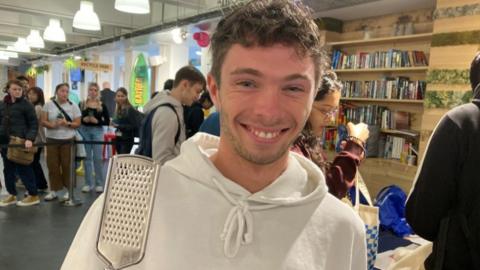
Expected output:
(239, 219)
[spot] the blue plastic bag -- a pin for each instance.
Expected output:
(391, 203)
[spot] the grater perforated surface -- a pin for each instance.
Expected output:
(127, 210)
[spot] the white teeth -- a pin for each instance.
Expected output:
(265, 135)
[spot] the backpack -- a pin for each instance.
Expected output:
(145, 144)
(138, 117)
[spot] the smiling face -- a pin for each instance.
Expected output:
(264, 99)
(323, 112)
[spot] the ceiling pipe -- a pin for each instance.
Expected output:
(145, 31)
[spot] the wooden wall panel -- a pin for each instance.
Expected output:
(457, 24)
(452, 57)
(447, 87)
(454, 3)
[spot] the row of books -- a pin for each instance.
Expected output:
(370, 114)
(330, 138)
(395, 120)
(387, 88)
(398, 148)
(381, 59)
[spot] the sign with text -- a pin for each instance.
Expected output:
(95, 66)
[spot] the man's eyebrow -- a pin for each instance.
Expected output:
(296, 77)
(250, 71)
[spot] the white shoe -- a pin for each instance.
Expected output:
(86, 189)
(99, 189)
(65, 197)
(52, 195)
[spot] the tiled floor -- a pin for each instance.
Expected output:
(38, 237)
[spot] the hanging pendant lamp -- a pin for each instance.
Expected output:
(54, 31)
(133, 6)
(34, 40)
(86, 18)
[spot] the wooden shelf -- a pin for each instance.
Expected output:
(424, 36)
(365, 70)
(400, 132)
(377, 100)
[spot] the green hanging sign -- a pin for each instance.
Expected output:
(139, 82)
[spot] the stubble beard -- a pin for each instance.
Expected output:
(243, 152)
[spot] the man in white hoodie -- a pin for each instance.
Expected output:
(243, 200)
(168, 125)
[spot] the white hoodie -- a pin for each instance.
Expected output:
(202, 220)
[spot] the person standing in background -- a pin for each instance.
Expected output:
(194, 115)
(60, 117)
(18, 119)
(341, 172)
(107, 97)
(94, 116)
(35, 96)
(125, 122)
(25, 83)
(444, 206)
(167, 121)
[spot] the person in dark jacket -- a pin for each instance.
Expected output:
(444, 201)
(341, 172)
(94, 116)
(125, 122)
(107, 97)
(18, 119)
(194, 115)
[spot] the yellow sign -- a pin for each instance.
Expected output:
(95, 66)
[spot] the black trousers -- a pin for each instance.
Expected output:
(38, 171)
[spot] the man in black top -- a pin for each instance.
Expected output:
(444, 206)
(107, 96)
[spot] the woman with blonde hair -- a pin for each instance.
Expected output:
(60, 117)
(94, 116)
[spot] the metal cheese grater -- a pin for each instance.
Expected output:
(129, 198)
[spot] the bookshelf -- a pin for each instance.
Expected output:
(397, 57)
(381, 40)
(396, 70)
(377, 100)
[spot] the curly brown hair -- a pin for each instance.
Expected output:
(330, 84)
(265, 23)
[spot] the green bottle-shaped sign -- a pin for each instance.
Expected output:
(139, 82)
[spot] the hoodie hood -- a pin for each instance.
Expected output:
(161, 98)
(301, 183)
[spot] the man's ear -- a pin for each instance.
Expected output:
(213, 88)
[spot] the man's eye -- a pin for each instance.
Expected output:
(248, 84)
(294, 89)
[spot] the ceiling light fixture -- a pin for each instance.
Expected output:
(3, 55)
(133, 6)
(34, 40)
(178, 35)
(21, 45)
(54, 31)
(86, 18)
(11, 54)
